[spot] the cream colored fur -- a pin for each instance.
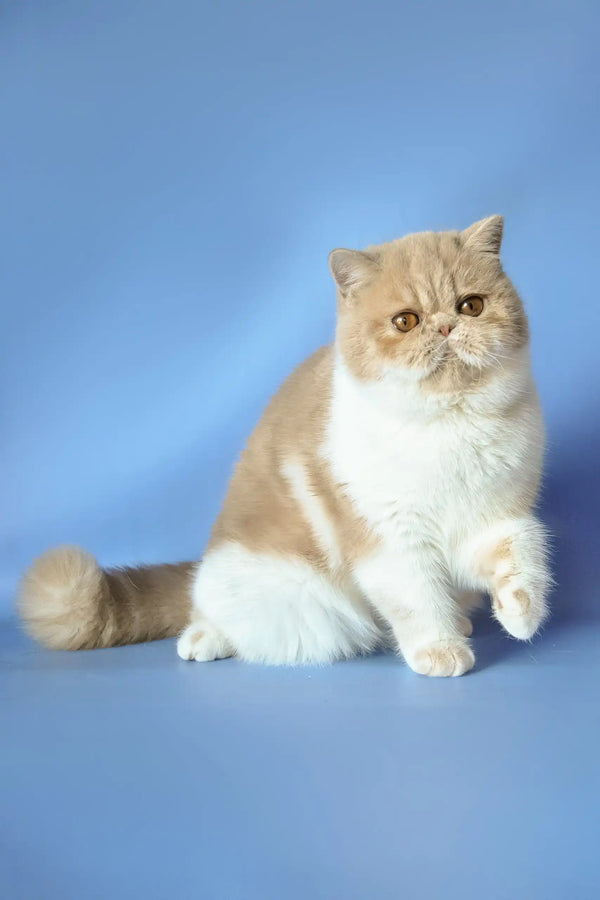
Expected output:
(389, 483)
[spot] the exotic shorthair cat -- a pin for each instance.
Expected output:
(389, 482)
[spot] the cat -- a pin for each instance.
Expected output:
(389, 483)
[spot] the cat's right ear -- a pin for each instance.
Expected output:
(485, 235)
(351, 269)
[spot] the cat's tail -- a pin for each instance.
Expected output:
(68, 602)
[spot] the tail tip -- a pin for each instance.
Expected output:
(59, 596)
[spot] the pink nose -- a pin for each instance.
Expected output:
(446, 329)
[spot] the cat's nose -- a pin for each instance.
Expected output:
(446, 329)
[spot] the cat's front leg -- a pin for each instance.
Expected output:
(408, 589)
(510, 561)
(467, 602)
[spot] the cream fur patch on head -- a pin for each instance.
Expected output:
(435, 306)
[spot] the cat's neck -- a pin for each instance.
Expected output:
(400, 396)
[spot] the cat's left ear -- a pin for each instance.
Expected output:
(352, 269)
(485, 235)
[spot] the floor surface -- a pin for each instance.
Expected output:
(129, 773)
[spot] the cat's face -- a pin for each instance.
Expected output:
(435, 307)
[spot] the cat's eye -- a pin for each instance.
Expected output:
(471, 306)
(405, 321)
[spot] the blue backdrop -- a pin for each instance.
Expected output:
(173, 177)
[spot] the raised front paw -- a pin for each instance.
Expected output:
(519, 577)
(442, 658)
(518, 608)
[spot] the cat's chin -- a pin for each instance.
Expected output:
(469, 359)
(444, 362)
(420, 374)
(407, 374)
(458, 372)
(458, 358)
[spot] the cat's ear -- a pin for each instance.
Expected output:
(352, 269)
(485, 235)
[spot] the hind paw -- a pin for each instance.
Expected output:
(202, 642)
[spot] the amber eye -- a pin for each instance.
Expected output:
(405, 321)
(471, 306)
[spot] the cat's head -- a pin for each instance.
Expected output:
(436, 307)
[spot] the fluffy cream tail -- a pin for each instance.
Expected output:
(68, 602)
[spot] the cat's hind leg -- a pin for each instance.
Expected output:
(468, 602)
(203, 642)
(279, 609)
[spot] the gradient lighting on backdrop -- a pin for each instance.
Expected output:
(173, 176)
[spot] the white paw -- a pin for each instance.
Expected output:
(517, 608)
(202, 642)
(443, 658)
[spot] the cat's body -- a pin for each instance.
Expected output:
(389, 482)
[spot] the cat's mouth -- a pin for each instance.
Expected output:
(468, 358)
(451, 351)
(440, 354)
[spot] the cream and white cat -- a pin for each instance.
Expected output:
(388, 484)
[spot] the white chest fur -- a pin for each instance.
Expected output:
(426, 469)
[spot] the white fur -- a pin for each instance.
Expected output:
(438, 480)
(425, 469)
(281, 611)
(526, 571)
(203, 642)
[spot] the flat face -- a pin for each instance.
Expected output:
(433, 307)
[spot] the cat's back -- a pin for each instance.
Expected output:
(259, 507)
(295, 416)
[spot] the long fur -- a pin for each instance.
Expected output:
(68, 602)
(390, 481)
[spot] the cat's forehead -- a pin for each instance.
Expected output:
(431, 269)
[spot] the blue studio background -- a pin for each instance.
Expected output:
(172, 177)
